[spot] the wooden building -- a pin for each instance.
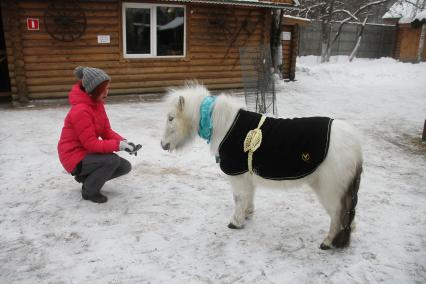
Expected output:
(290, 44)
(407, 42)
(410, 20)
(145, 46)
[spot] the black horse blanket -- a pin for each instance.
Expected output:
(290, 148)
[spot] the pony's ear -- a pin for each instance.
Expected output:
(181, 103)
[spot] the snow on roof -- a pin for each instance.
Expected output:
(297, 18)
(421, 16)
(252, 3)
(406, 12)
(296, 2)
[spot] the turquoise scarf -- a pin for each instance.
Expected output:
(205, 126)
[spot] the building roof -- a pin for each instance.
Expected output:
(404, 12)
(247, 3)
(292, 20)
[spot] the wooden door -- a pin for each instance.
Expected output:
(4, 71)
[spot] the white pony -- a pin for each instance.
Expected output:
(335, 181)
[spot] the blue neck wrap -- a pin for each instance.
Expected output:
(206, 126)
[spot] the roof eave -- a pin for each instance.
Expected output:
(244, 4)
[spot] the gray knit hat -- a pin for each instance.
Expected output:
(91, 77)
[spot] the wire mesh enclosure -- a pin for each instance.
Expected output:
(258, 79)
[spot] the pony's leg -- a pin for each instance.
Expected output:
(340, 203)
(243, 191)
(250, 204)
(335, 225)
(330, 197)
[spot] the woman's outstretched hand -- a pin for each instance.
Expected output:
(130, 147)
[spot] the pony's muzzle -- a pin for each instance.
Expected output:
(165, 146)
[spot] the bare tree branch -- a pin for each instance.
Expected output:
(347, 13)
(368, 5)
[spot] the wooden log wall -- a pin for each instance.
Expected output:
(289, 52)
(45, 65)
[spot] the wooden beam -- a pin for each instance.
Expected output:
(294, 51)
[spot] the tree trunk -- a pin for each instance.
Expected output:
(358, 42)
(276, 30)
(337, 35)
(328, 47)
(326, 28)
(324, 42)
(421, 48)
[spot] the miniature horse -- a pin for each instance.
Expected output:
(335, 180)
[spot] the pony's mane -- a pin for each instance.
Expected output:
(223, 115)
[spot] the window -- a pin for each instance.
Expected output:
(153, 30)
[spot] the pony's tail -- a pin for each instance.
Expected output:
(349, 201)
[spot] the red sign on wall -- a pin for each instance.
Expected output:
(33, 24)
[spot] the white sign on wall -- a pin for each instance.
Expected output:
(286, 35)
(104, 39)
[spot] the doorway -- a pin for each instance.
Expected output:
(5, 94)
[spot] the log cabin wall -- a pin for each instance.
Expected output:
(294, 51)
(42, 67)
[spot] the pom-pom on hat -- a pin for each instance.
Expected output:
(91, 77)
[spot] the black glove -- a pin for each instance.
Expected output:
(136, 148)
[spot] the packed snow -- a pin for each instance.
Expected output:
(166, 221)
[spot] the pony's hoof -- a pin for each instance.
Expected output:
(325, 247)
(232, 226)
(249, 215)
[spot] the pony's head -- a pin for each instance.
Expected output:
(183, 115)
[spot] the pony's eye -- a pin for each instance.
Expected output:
(171, 118)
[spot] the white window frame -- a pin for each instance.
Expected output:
(153, 11)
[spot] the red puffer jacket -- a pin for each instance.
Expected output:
(84, 124)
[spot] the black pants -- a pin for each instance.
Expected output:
(96, 169)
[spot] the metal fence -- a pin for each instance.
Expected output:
(258, 78)
(378, 40)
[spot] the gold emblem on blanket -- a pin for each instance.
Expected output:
(253, 140)
(252, 143)
(306, 157)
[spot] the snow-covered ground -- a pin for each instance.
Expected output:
(166, 222)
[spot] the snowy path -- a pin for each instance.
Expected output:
(166, 221)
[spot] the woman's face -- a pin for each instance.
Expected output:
(104, 94)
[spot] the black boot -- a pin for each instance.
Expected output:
(98, 198)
